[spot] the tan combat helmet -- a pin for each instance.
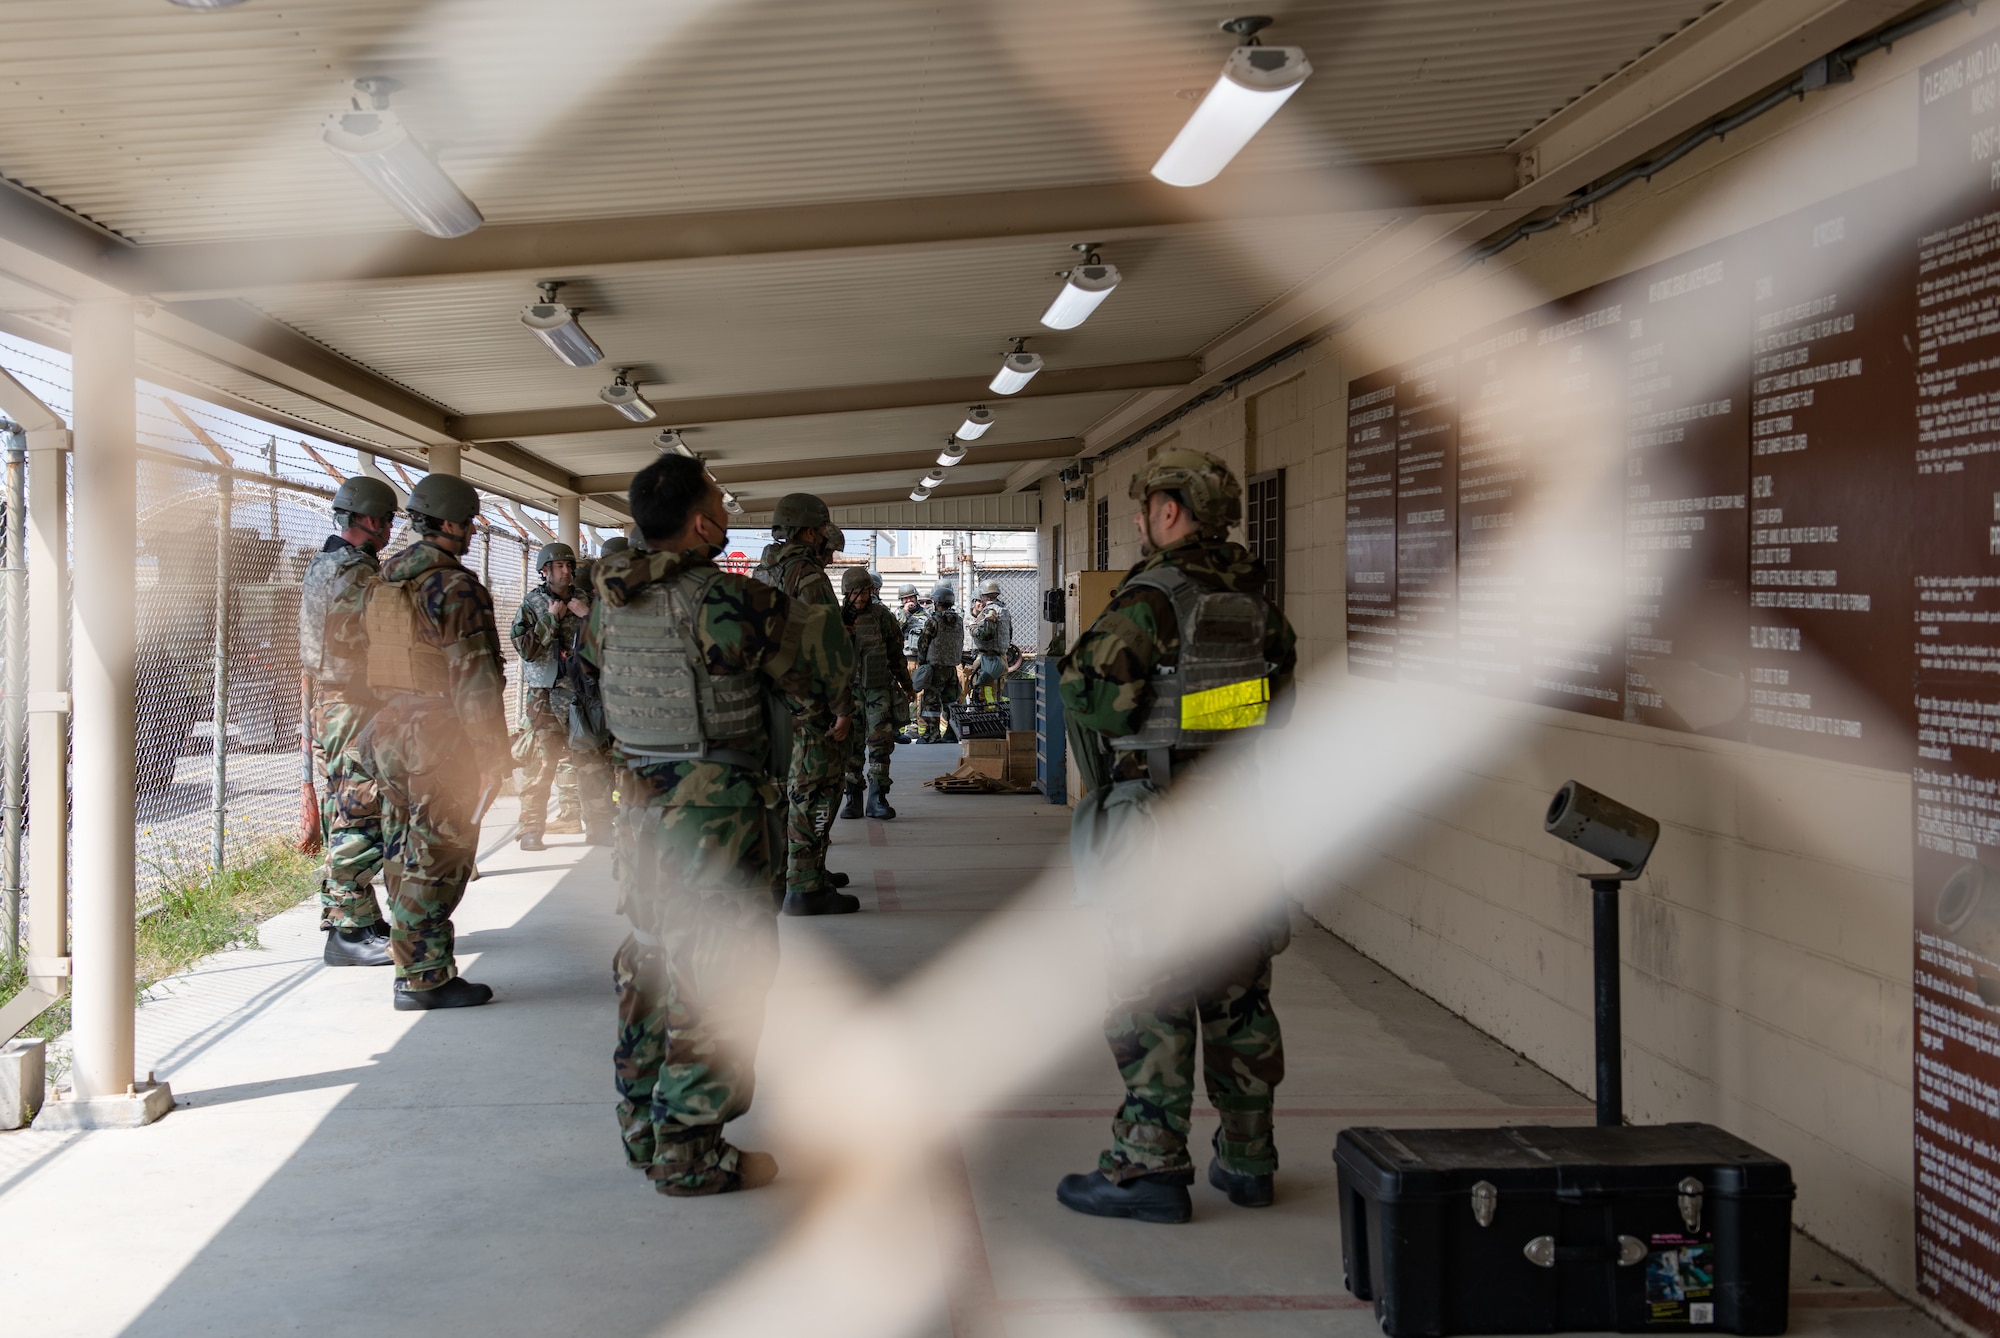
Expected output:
(856, 579)
(797, 511)
(989, 589)
(1214, 497)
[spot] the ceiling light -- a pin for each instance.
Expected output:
(623, 396)
(670, 440)
(206, 4)
(954, 451)
(1018, 368)
(374, 143)
(920, 494)
(1254, 83)
(1087, 285)
(977, 419)
(932, 480)
(555, 325)
(730, 504)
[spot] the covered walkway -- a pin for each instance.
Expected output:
(335, 1167)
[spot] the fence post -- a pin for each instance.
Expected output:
(14, 727)
(225, 488)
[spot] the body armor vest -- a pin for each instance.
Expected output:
(544, 672)
(401, 657)
(947, 637)
(913, 631)
(995, 631)
(1221, 685)
(660, 700)
(871, 648)
(324, 577)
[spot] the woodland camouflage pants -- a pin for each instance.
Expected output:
(548, 748)
(350, 820)
(869, 751)
(430, 803)
(812, 791)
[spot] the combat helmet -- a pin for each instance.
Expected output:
(944, 596)
(989, 589)
(799, 511)
(832, 538)
(617, 543)
(856, 579)
(556, 552)
(443, 497)
(906, 591)
(633, 537)
(363, 496)
(1214, 498)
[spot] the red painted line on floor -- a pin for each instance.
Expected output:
(1103, 1305)
(885, 891)
(1325, 1112)
(1859, 1298)
(969, 1291)
(878, 835)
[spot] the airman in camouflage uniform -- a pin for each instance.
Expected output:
(440, 755)
(939, 645)
(1188, 500)
(545, 634)
(992, 636)
(881, 693)
(333, 647)
(796, 565)
(698, 843)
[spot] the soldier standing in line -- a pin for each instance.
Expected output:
(992, 635)
(333, 647)
(910, 618)
(440, 740)
(545, 632)
(689, 655)
(1188, 655)
(805, 540)
(881, 693)
(939, 646)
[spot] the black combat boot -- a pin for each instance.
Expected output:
(356, 947)
(1245, 1191)
(837, 878)
(823, 902)
(852, 809)
(532, 841)
(458, 992)
(878, 801)
(1150, 1198)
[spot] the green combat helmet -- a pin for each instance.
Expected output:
(617, 543)
(363, 496)
(633, 537)
(799, 511)
(443, 497)
(833, 538)
(989, 589)
(854, 580)
(944, 596)
(556, 552)
(906, 591)
(1214, 498)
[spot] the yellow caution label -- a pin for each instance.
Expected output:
(1231, 706)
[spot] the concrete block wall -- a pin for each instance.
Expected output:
(1767, 953)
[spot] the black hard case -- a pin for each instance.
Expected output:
(1412, 1243)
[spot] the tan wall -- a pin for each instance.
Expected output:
(1767, 953)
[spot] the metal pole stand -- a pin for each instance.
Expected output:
(1610, 1034)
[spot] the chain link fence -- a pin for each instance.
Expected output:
(1021, 591)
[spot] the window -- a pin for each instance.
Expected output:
(1264, 516)
(1104, 534)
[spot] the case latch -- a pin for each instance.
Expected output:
(1485, 1198)
(1690, 1195)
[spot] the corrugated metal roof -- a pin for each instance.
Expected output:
(169, 124)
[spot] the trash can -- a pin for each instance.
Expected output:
(1020, 703)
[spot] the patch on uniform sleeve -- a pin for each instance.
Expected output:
(1232, 706)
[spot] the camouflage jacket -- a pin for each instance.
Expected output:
(896, 668)
(333, 636)
(458, 617)
(797, 569)
(912, 625)
(745, 627)
(994, 631)
(544, 625)
(940, 622)
(1106, 677)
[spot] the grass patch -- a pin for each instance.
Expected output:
(200, 912)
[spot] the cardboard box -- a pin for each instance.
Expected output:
(1020, 770)
(993, 748)
(996, 767)
(1021, 741)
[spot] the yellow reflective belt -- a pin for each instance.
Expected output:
(1231, 706)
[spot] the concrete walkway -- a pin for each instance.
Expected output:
(335, 1167)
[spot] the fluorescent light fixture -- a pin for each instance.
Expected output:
(382, 153)
(932, 480)
(1083, 289)
(206, 4)
(977, 419)
(623, 396)
(1254, 83)
(920, 494)
(1016, 371)
(954, 451)
(670, 440)
(555, 325)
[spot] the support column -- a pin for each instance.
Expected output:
(106, 463)
(444, 460)
(569, 522)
